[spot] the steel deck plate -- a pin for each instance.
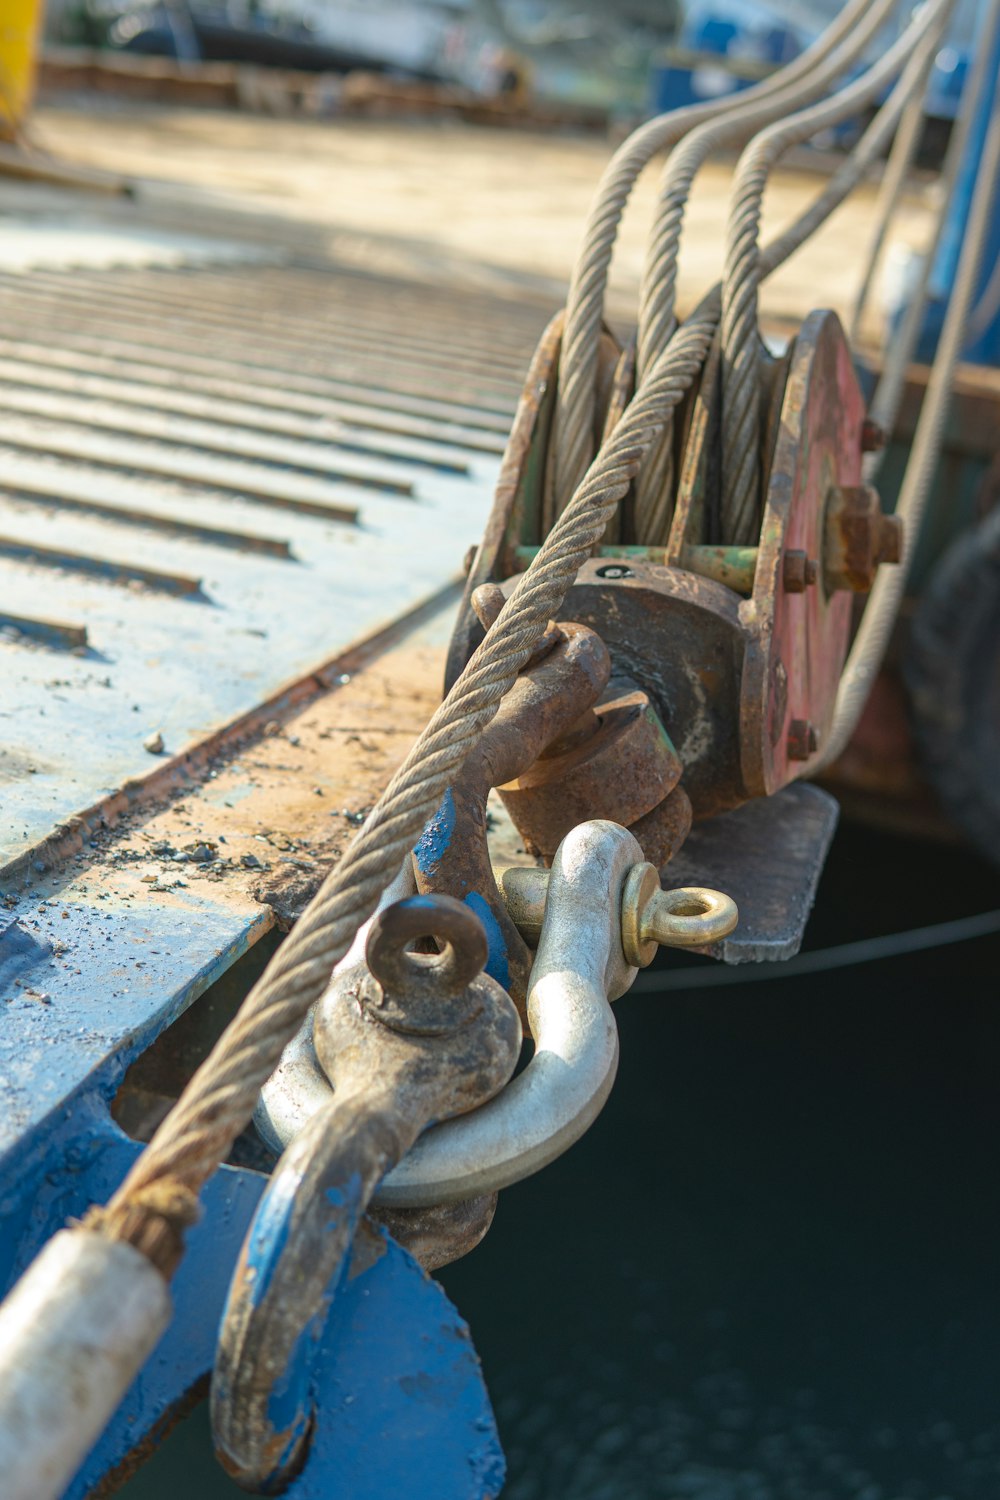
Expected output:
(213, 479)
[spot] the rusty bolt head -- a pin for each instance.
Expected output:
(857, 536)
(798, 571)
(803, 740)
(873, 437)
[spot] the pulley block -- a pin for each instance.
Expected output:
(737, 650)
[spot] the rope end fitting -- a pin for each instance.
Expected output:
(152, 1219)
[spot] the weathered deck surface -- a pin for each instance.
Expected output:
(238, 435)
(498, 207)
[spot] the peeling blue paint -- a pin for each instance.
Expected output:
(390, 1331)
(498, 963)
(436, 838)
(60, 1151)
(20, 952)
(292, 1397)
(268, 1237)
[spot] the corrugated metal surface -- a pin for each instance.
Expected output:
(232, 491)
(214, 478)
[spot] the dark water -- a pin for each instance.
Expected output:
(770, 1270)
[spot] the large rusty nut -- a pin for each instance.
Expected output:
(623, 770)
(661, 833)
(857, 537)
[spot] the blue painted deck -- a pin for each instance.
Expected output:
(213, 487)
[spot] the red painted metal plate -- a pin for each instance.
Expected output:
(796, 642)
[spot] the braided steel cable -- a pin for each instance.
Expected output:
(740, 338)
(987, 307)
(858, 22)
(869, 646)
(897, 170)
(573, 423)
(884, 406)
(862, 19)
(218, 1101)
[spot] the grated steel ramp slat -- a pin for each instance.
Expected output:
(213, 479)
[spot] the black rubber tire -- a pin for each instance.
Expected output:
(952, 671)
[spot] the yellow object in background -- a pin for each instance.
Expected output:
(20, 29)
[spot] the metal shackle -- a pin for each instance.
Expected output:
(578, 967)
(583, 960)
(395, 1066)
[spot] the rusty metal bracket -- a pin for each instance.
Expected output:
(621, 766)
(520, 491)
(678, 638)
(452, 855)
(405, 1040)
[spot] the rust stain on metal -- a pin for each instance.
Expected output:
(517, 500)
(662, 831)
(547, 700)
(418, 1038)
(438, 1236)
(620, 392)
(393, 687)
(133, 1461)
(798, 571)
(621, 772)
(857, 537)
(690, 522)
(802, 741)
(274, 809)
(817, 447)
(680, 639)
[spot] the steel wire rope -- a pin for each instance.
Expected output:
(869, 645)
(573, 423)
(740, 354)
(217, 1102)
(986, 309)
(157, 1199)
(219, 1099)
(823, 960)
(658, 290)
(890, 190)
(884, 405)
(154, 1202)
